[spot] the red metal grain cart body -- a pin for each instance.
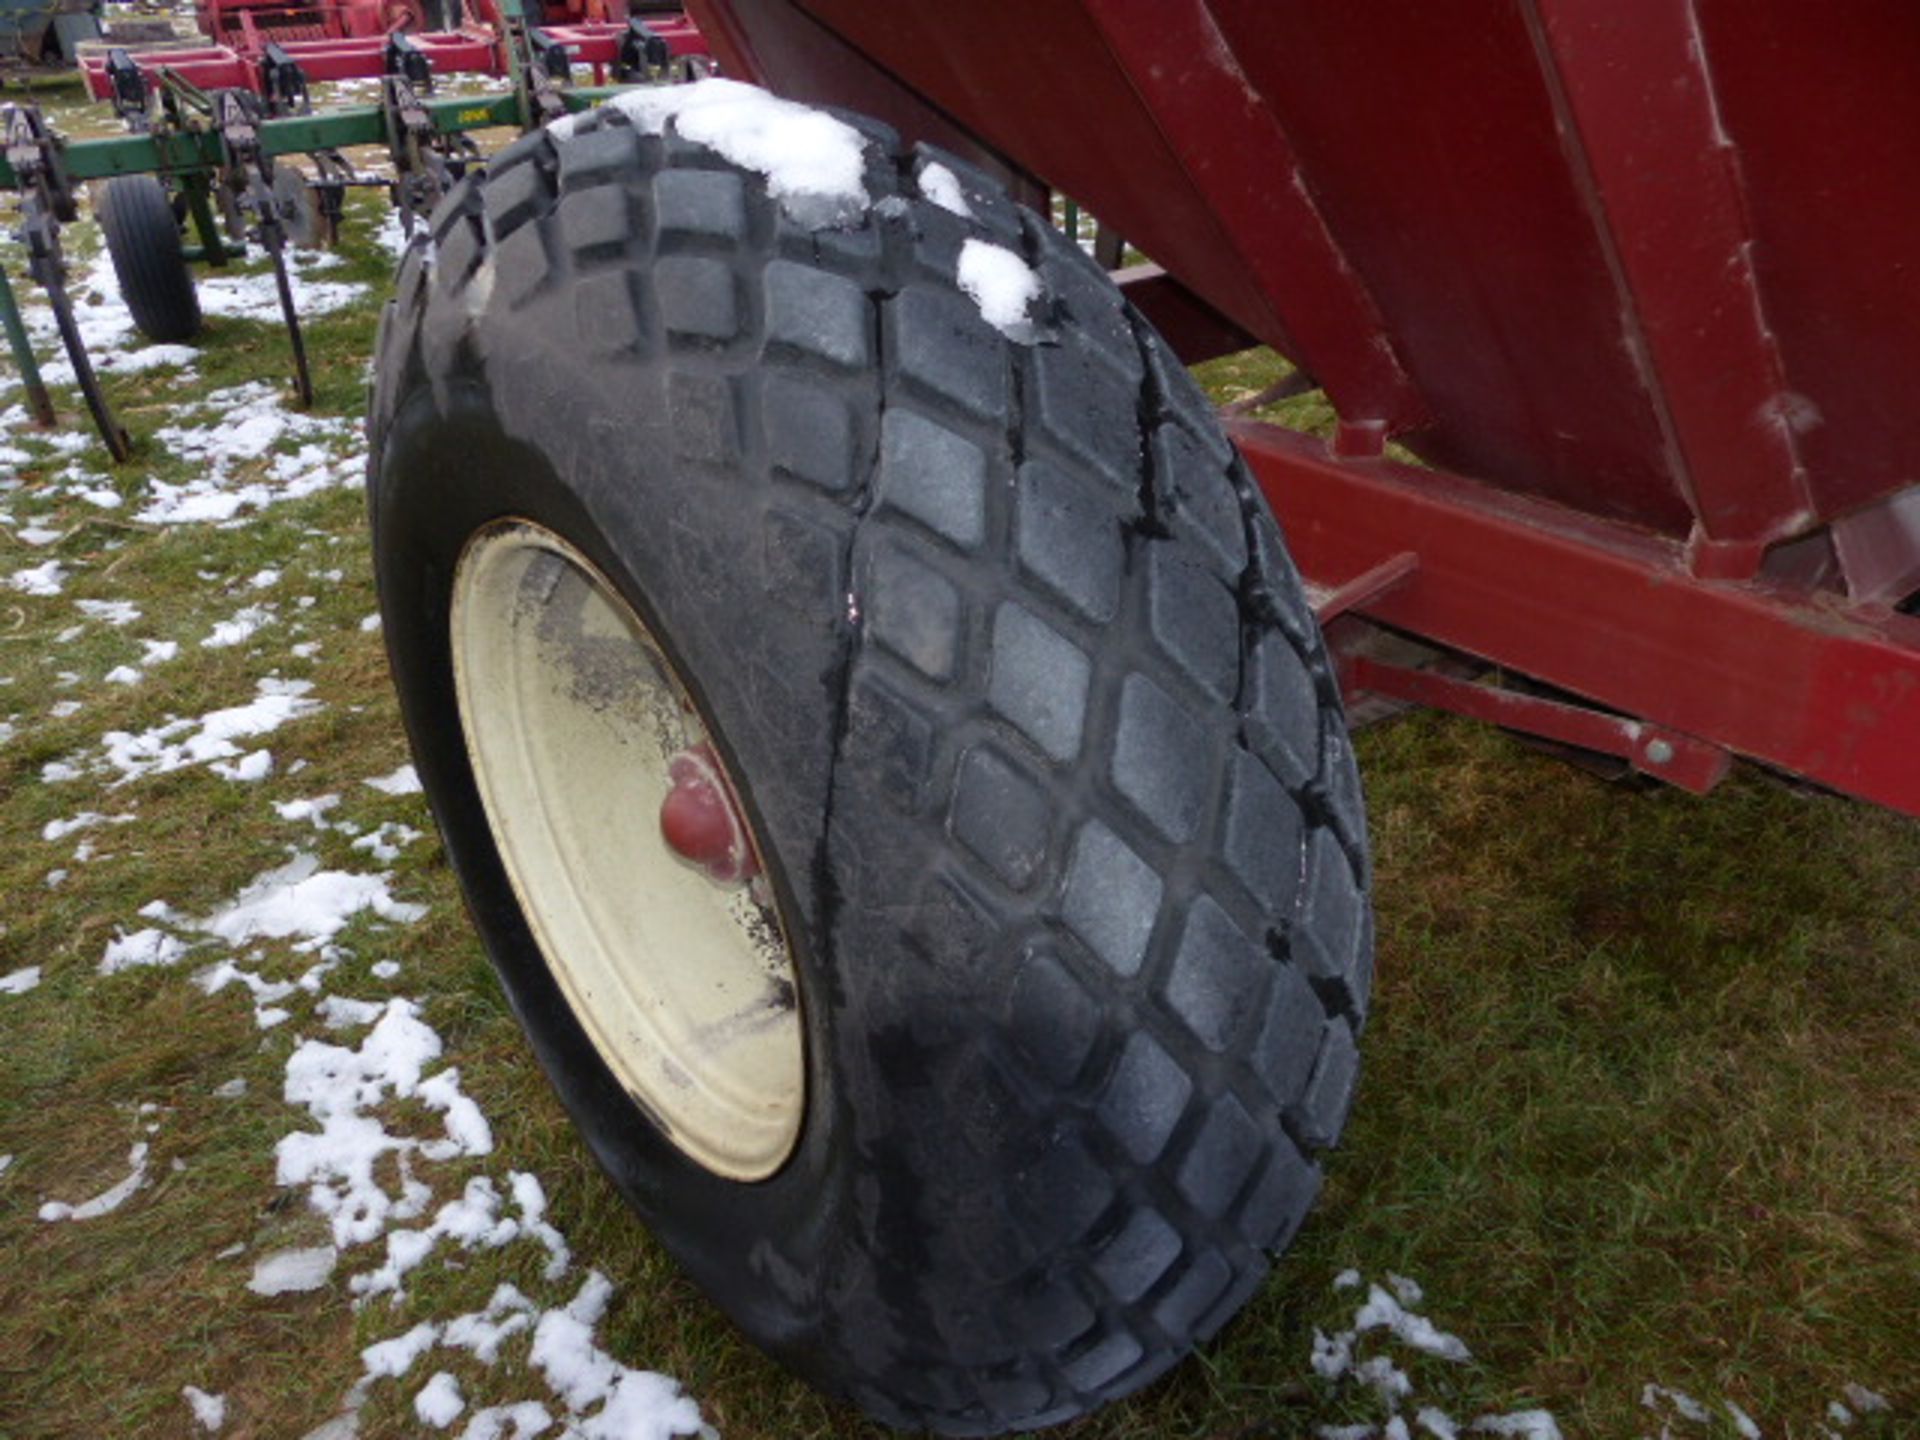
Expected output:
(899, 775)
(1639, 281)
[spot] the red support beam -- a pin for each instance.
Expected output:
(1807, 681)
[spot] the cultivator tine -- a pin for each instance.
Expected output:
(38, 401)
(111, 433)
(249, 180)
(284, 284)
(46, 199)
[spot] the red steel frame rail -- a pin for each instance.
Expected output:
(1805, 680)
(470, 50)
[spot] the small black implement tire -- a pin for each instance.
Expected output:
(1028, 708)
(143, 240)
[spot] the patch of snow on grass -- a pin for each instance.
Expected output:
(607, 1401)
(255, 297)
(107, 1200)
(1865, 1401)
(209, 1411)
(1523, 1424)
(439, 1401)
(404, 781)
(287, 1272)
(338, 1087)
(300, 900)
(142, 948)
(240, 627)
(1003, 285)
(45, 579)
(114, 612)
(385, 843)
(248, 422)
(181, 742)
(19, 982)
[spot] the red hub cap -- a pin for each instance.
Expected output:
(700, 821)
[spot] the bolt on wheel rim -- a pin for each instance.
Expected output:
(573, 719)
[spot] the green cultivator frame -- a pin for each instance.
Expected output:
(215, 153)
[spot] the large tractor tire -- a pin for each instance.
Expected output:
(987, 1053)
(143, 241)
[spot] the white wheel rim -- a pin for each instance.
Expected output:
(571, 713)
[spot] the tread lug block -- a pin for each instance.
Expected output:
(1050, 972)
(1278, 1204)
(823, 317)
(1144, 1098)
(802, 558)
(1180, 395)
(700, 205)
(1039, 682)
(1265, 843)
(1103, 1361)
(1222, 1158)
(1160, 760)
(1215, 980)
(706, 427)
(913, 611)
(597, 222)
(610, 313)
(1285, 598)
(1195, 620)
(934, 476)
(458, 255)
(939, 348)
(1338, 788)
(520, 266)
(524, 193)
(1191, 1296)
(1085, 410)
(808, 431)
(1051, 1022)
(1111, 898)
(605, 156)
(1289, 1035)
(1283, 711)
(1322, 1112)
(461, 201)
(1067, 537)
(1198, 501)
(1327, 937)
(1086, 302)
(888, 737)
(535, 145)
(697, 297)
(1137, 1256)
(1001, 816)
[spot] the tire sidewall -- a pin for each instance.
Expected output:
(447, 472)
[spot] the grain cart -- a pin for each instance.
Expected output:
(896, 766)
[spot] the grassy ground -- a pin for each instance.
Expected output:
(1640, 1104)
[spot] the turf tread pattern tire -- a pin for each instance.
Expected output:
(143, 242)
(1084, 739)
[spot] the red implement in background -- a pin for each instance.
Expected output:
(349, 41)
(1638, 281)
